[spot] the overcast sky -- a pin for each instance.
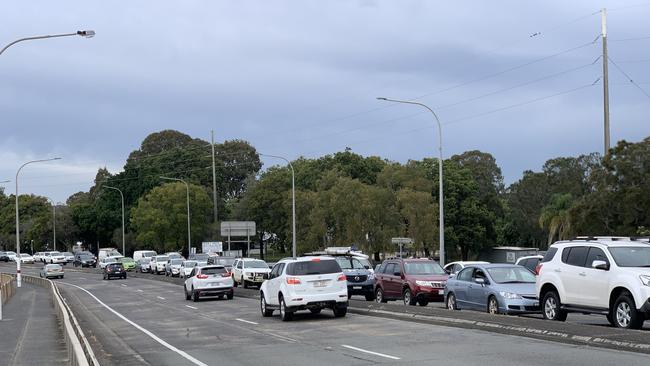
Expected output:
(301, 77)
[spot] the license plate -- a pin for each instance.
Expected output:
(441, 292)
(535, 303)
(356, 287)
(320, 283)
(214, 284)
(258, 279)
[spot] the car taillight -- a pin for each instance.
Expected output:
(538, 268)
(202, 276)
(315, 259)
(293, 281)
(342, 278)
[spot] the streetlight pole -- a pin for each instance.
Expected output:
(18, 276)
(293, 200)
(53, 223)
(440, 195)
(84, 33)
(123, 238)
(189, 237)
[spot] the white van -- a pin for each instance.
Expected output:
(108, 252)
(139, 254)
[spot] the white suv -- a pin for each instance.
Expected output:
(208, 281)
(249, 271)
(305, 283)
(609, 276)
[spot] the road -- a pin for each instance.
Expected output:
(144, 321)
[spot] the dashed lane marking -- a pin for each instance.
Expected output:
(161, 298)
(191, 307)
(370, 352)
(247, 321)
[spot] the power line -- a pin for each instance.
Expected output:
(628, 77)
(629, 39)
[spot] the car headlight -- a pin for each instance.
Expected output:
(423, 283)
(371, 276)
(509, 295)
(645, 280)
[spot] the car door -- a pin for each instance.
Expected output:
(477, 294)
(190, 278)
(573, 274)
(461, 285)
(595, 284)
(391, 281)
(273, 284)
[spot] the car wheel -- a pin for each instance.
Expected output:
(230, 295)
(187, 295)
(234, 282)
(551, 307)
(195, 295)
(104, 277)
(284, 314)
(370, 297)
(493, 305)
(265, 312)
(124, 277)
(339, 312)
(625, 313)
(379, 295)
(315, 311)
(451, 301)
(40, 274)
(423, 302)
(244, 283)
(408, 297)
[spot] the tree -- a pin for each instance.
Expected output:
(160, 217)
(555, 217)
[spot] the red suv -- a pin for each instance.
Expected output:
(411, 280)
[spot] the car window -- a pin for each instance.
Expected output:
(465, 274)
(255, 264)
(532, 263)
(349, 263)
(549, 254)
(577, 256)
(479, 273)
(193, 272)
(313, 267)
(457, 268)
(631, 256)
(595, 254)
(423, 268)
(511, 275)
(390, 268)
(240, 265)
(213, 270)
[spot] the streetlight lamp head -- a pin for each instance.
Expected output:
(86, 33)
(381, 98)
(57, 158)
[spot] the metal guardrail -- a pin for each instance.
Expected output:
(7, 287)
(79, 351)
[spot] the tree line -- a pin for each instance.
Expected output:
(342, 199)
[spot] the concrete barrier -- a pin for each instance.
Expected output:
(7, 287)
(79, 351)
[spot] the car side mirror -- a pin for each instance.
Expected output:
(480, 281)
(366, 267)
(602, 265)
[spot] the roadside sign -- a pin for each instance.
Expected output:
(238, 228)
(212, 247)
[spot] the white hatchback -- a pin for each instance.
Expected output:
(208, 281)
(305, 283)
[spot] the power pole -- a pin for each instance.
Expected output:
(605, 78)
(214, 178)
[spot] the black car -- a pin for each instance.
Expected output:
(84, 259)
(4, 257)
(114, 270)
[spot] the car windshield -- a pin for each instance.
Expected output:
(255, 264)
(145, 260)
(423, 268)
(201, 257)
(213, 270)
(53, 266)
(126, 259)
(55, 253)
(349, 263)
(174, 255)
(313, 267)
(189, 263)
(176, 261)
(67, 254)
(162, 258)
(85, 255)
(511, 275)
(631, 256)
(225, 261)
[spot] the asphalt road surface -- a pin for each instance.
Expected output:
(144, 321)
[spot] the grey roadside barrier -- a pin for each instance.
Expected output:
(7, 289)
(79, 351)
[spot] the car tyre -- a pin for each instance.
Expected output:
(340, 311)
(124, 277)
(407, 296)
(625, 313)
(244, 283)
(234, 283)
(263, 308)
(315, 311)
(379, 296)
(451, 301)
(195, 295)
(187, 295)
(493, 306)
(551, 307)
(423, 302)
(284, 314)
(230, 295)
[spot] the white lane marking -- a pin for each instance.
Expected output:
(192, 307)
(247, 321)
(161, 298)
(140, 290)
(82, 278)
(370, 352)
(145, 331)
(123, 285)
(287, 339)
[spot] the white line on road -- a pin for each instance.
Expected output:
(370, 352)
(247, 321)
(123, 285)
(192, 307)
(145, 331)
(140, 290)
(161, 298)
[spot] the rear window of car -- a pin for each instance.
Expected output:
(312, 267)
(577, 256)
(213, 270)
(549, 254)
(115, 265)
(176, 261)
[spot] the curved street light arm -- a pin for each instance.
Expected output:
(293, 201)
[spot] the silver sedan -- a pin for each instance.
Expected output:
(51, 271)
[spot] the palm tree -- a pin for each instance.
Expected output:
(555, 217)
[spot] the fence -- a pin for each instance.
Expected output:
(7, 287)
